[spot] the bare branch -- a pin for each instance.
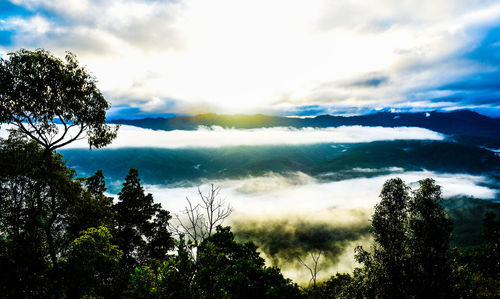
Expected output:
(42, 136)
(20, 126)
(201, 219)
(313, 269)
(56, 146)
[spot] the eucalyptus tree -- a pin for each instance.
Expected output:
(38, 91)
(53, 103)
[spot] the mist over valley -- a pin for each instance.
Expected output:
(300, 190)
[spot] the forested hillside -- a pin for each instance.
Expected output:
(63, 236)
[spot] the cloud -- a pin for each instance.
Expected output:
(212, 137)
(283, 241)
(217, 56)
(279, 197)
(373, 80)
(291, 215)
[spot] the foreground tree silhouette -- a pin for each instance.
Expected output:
(411, 245)
(37, 91)
(429, 242)
(36, 88)
(141, 229)
(224, 269)
(37, 214)
(313, 268)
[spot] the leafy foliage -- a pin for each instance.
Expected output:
(412, 237)
(224, 269)
(140, 229)
(36, 88)
(35, 201)
(61, 236)
(92, 264)
(429, 242)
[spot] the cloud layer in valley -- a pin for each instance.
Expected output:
(279, 195)
(301, 212)
(130, 136)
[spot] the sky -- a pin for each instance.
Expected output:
(280, 57)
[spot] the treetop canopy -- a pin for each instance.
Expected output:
(36, 88)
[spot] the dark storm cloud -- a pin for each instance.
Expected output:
(369, 81)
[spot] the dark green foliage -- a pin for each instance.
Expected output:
(338, 286)
(467, 214)
(389, 231)
(35, 201)
(410, 257)
(55, 234)
(476, 270)
(93, 208)
(36, 88)
(173, 279)
(140, 229)
(223, 269)
(489, 273)
(429, 242)
(227, 269)
(92, 264)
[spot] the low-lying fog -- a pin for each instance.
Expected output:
(130, 136)
(287, 214)
(291, 215)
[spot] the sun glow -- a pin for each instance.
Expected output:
(233, 56)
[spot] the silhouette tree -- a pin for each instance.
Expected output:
(412, 234)
(35, 208)
(313, 268)
(224, 269)
(199, 220)
(429, 242)
(386, 267)
(38, 90)
(93, 207)
(141, 228)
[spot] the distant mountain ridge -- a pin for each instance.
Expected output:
(458, 122)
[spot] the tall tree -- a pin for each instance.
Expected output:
(411, 245)
(39, 90)
(141, 228)
(93, 207)
(386, 267)
(429, 242)
(35, 204)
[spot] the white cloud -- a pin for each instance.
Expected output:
(240, 56)
(299, 195)
(33, 26)
(130, 136)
